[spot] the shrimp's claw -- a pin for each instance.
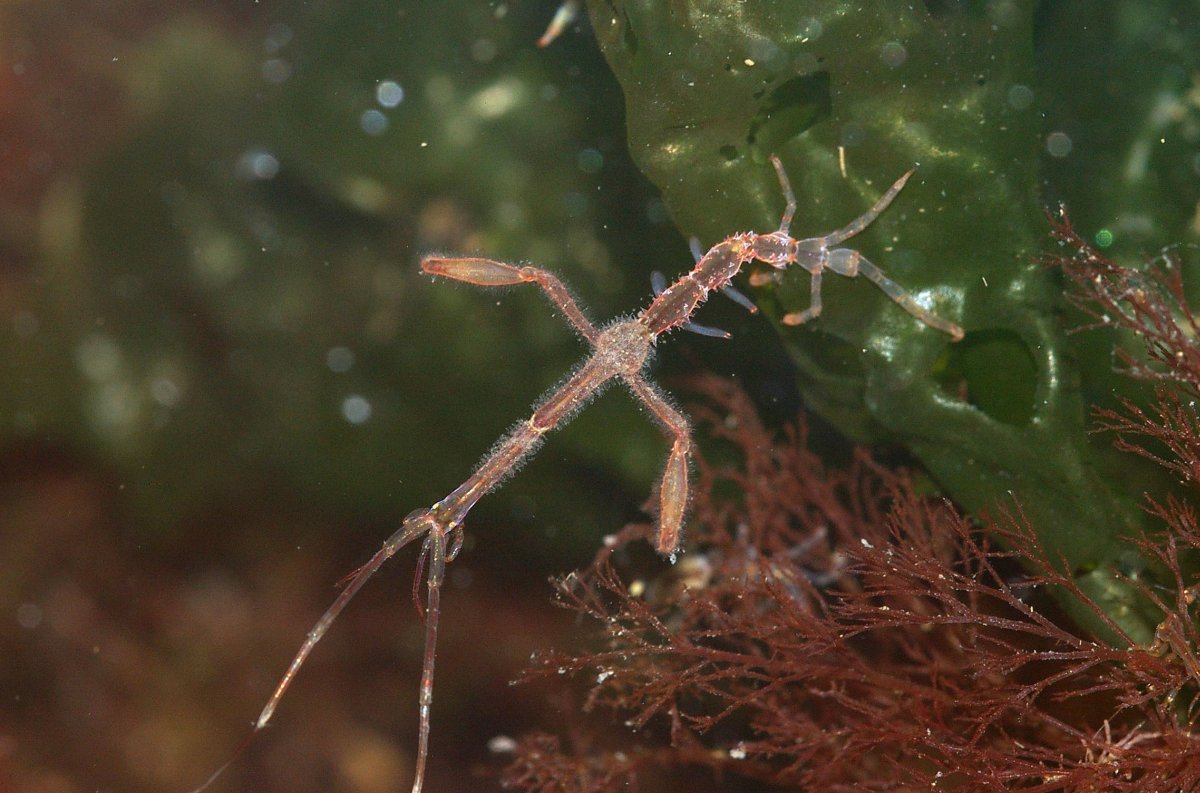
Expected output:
(565, 15)
(673, 499)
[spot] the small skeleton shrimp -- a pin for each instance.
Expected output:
(619, 351)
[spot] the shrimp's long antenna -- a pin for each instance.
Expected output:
(409, 531)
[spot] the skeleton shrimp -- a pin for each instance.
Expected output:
(620, 351)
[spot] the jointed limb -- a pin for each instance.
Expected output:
(489, 272)
(785, 224)
(673, 494)
(868, 217)
(814, 306)
(906, 301)
(437, 572)
(415, 525)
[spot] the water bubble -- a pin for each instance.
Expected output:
(810, 28)
(276, 71)
(373, 122)
(165, 392)
(656, 212)
(257, 164)
(1020, 97)
(98, 357)
(1058, 144)
(278, 36)
(339, 359)
(389, 93)
(483, 50)
(29, 616)
(356, 409)
(112, 409)
(590, 161)
(893, 54)
(497, 99)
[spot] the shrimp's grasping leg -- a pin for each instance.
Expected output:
(673, 493)
(489, 272)
(851, 263)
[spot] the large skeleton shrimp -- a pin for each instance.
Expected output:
(620, 351)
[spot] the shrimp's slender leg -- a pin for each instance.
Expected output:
(673, 495)
(814, 307)
(851, 263)
(489, 272)
(415, 525)
(437, 572)
(868, 217)
(789, 212)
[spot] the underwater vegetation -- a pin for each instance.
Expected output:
(985, 97)
(227, 379)
(835, 629)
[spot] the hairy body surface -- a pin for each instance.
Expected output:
(620, 351)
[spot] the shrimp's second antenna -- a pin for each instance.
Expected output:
(619, 351)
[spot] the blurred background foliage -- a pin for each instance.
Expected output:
(225, 379)
(229, 293)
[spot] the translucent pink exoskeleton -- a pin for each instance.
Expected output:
(619, 351)
(565, 15)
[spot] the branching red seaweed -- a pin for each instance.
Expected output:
(1151, 305)
(837, 630)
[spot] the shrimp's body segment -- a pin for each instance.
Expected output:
(619, 351)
